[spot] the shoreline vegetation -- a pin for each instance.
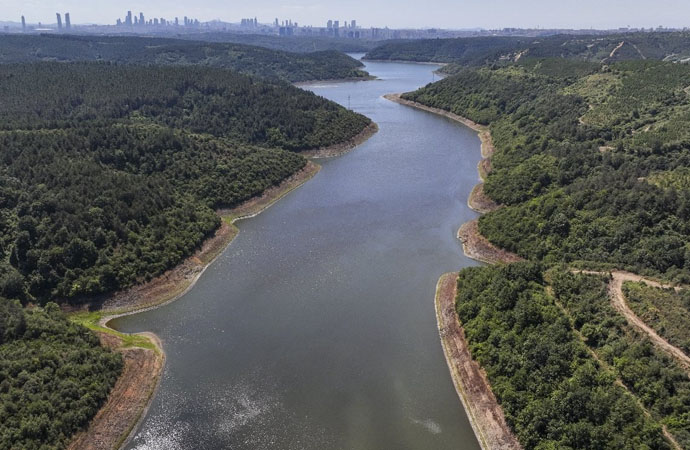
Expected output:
(470, 381)
(120, 417)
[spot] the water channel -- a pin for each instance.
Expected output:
(315, 329)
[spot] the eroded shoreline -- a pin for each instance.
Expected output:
(483, 411)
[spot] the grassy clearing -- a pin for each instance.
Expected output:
(92, 319)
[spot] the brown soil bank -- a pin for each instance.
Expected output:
(485, 415)
(128, 400)
(478, 247)
(479, 201)
(344, 147)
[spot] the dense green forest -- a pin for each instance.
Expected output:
(478, 51)
(590, 160)
(111, 173)
(249, 59)
(665, 310)
(654, 378)
(553, 392)
(54, 376)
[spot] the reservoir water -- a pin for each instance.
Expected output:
(315, 329)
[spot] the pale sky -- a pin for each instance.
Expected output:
(378, 13)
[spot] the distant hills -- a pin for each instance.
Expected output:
(253, 60)
(672, 46)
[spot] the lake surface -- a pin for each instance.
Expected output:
(316, 328)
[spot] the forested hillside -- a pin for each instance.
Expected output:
(54, 376)
(591, 167)
(249, 59)
(553, 392)
(478, 51)
(111, 173)
(590, 160)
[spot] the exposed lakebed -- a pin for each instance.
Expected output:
(316, 329)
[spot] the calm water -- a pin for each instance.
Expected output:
(316, 328)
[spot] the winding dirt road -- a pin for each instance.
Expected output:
(621, 305)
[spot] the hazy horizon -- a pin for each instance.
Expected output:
(492, 14)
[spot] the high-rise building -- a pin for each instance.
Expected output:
(128, 20)
(276, 22)
(330, 24)
(142, 20)
(353, 24)
(186, 21)
(177, 21)
(23, 25)
(68, 22)
(59, 21)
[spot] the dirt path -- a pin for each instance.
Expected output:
(128, 400)
(615, 50)
(620, 304)
(606, 366)
(471, 384)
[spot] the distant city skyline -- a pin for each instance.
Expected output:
(450, 14)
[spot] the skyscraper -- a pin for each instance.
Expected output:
(23, 25)
(353, 24)
(68, 23)
(141, 19)
(59, 21)
(128, 20)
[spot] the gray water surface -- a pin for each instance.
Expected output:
(316, 329)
